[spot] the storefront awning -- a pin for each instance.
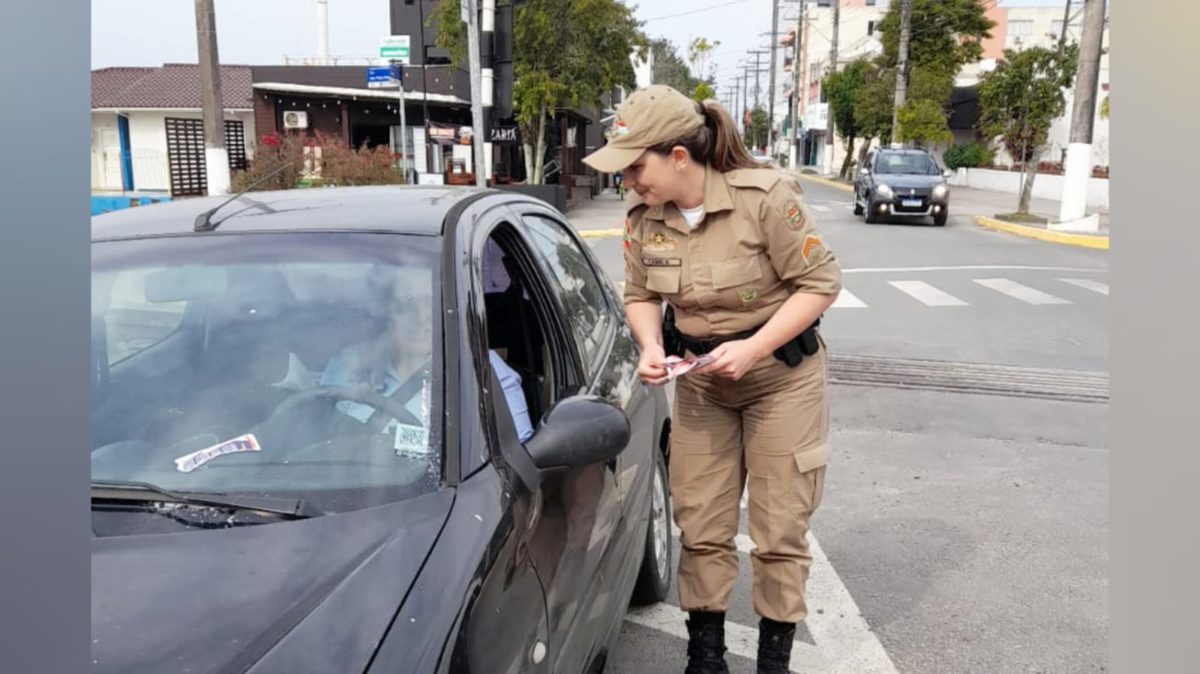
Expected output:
(348, 92)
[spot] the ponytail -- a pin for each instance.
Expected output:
(728, 152)
(716, 143)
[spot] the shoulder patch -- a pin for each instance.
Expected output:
(756, 178)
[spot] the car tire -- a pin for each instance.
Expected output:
(939, 219)
(654, 577)
(858, 209)
(871, 216)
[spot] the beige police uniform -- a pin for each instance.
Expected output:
(754, 248)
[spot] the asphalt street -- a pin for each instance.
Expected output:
(960, 531)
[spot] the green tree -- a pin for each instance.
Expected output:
(703, 92)
(923, 121)
(699, 53)
(842, 89)
(873, 107)
(945, 35)
(565, 53)
(755, 133)
(668, 68)
(1020, 99)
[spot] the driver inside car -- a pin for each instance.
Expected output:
(397, 360)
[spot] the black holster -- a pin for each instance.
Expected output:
(672, 338)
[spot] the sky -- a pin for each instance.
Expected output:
(262, 32)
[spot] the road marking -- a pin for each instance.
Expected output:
(1020, 292)
(847, 300)
(740, 640)
(822, 209)
(1087, 284)
(927, 294)
(600, 233)
(971, 267)
(844, 642)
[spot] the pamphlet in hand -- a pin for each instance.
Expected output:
(678, 367)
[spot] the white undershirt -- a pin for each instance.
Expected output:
(693, 215)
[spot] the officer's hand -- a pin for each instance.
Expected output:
(651, 368)
(733, 359)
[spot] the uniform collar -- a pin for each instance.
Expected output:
(716, 199)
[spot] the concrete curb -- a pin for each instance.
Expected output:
(825, 181)
(1081, 240)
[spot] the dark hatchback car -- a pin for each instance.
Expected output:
(902, 183)
(304, 457)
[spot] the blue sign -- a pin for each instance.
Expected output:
(383, 77)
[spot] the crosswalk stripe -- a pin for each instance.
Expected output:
(822, 209)
(1021, 292)
(927, 294)
(1087, 284)
(740, 640)
(848, 300)
(844, 641)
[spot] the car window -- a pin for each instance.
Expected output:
(304, 365)
(910, 164)
(132, 324)
(582, 293)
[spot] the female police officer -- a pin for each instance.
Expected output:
(731, 248)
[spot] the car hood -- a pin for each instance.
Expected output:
(905, 181)
(224, 600)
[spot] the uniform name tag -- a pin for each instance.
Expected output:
(662, 261)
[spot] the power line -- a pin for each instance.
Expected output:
(695, 11)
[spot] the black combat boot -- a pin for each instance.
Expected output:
(706, 643)
(774, 646)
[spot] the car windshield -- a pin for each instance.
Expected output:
(897, 163)
(293, 365)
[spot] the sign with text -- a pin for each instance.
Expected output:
(395, 48)
(383, 77)
(503, 134)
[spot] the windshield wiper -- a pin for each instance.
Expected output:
(144, 492)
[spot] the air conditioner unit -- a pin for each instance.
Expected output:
(294, 119)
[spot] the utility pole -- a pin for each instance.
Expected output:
(757, 70)
(1062, 36)
(796, 91)
(1079, 151)
(323, 31)
(216, 157)
(902, 67)
(771, 76)
(472, 7)
(833, 64)
(488, 49)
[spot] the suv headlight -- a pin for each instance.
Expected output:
(939, 191)
(884, 190)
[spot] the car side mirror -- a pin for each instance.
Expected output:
(947, 173)
(863, 171)
(578, 431)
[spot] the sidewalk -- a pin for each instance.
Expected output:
(985, 205)
(603, 216)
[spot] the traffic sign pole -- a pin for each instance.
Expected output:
(403, 128)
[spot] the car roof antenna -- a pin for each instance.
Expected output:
(204, 221)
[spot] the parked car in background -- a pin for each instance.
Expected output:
(902, 183)
(304, 457)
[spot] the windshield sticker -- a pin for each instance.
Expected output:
(411, 441)
(190, 462)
